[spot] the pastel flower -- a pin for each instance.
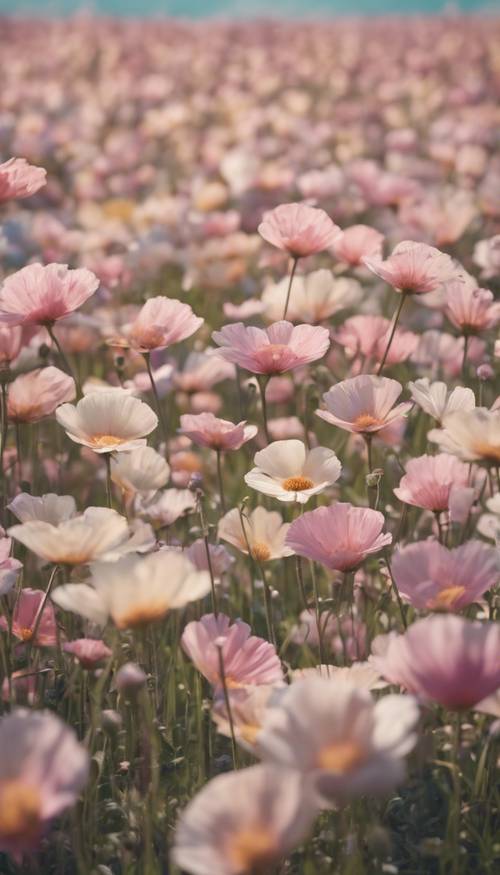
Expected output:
(135, 591)
(19, 180)
(220, 559)
(207, 430)
(431, 577)
(413, 268)
(141, 471)
(43, 769)
(34, 395)
(364, 404)
(489, 523)
(261, 532)
(49, 508)
(11, 342)
(429, 480)
(243, 822)
(472, 435)
(316, 296)
(249, 706)
(361, 675)
(487, 256)
(345, 635)
(89, 652)
(438, 401)
(346, 744)
(9, 567)
(246, 658)
(160, 323)
(108, 422)
(202, 371)
(41, 294)
(281, 347)
(340, 536)
(289, 472)
(298, 229)
(356, 243)
(445, 659)
(33, 619)
(368, 336)
(470, 309)
(168, 506)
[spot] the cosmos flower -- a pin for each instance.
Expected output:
(298, 229)
(142, 471)
(260, 531)
(108, 422)
(33, 619)
(472, 435)
(316, 297)
(289, 472)
(41, 294)
(280, 347)
(429, 480)
(19, 180)
(438, 400)
(364, 404)
(89, 652)
(207, 430)
(160, 323)
(35, 395)
(413, 268)
(356, 243)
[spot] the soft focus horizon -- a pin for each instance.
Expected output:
(247, 8)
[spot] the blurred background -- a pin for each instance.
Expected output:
(243, 8)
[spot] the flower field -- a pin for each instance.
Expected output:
(249, 447)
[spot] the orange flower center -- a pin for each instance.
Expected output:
(103, 440)
(297, 484)
(261, 551)
(490, 452)
(141, 615)
(447, 598)
(252, 849)
(249, 731)
(146, 337)
(341, 757)
(20, 812)
(26, 634)
(365, 421)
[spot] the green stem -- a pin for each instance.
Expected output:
(221, 481)
(464, 358)
(159, 409)
(228, 705)
(290, 283)
(393, 331)
(396, 591)
(67, 367)
(263, 380)
(109, 491)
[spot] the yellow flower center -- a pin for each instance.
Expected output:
(249, 731)
(447, 598)
(365, 421)
(146, 337)
(26, 634)
(341, 757)
(261, 551)
(252, 849)
(20, 812)
(490, 452)
(103, 440)
(297, 484)
(141, 615)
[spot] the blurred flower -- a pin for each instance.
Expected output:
(89, 652)
(261, 532)
(35, 395)
(437, 400)
(472, 435)
(18, 179)
(207, 430)
(298, 229)
(33, 619)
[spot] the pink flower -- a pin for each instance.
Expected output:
(364, 404)
(37, 394)
(279, 348)
(368, 336)
(88, 651)
(431, 577)
(11, 341)
(356, 243)
(444, 659)
(414, 268)
(34, 619)
(20, 180)
(247, 659)
(41, 295)
(429, 480)
(160, 323)
(43, 768)
(339, 536)
(207, 430)
(345, 635)
(470, 309)
(298, 229)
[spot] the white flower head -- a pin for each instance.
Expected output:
(289, 472)
(108, 422)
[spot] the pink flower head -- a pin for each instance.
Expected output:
(207, 430)
(41, 295)
(88, 651)
(414, 268)
(444, 659)
(471, 309)
(356, 243)
(160, 323)
(34, 395)
(280, 347)
(19, 180)
(247, 659)
(298, 229)
(364, 404)
(368, 336)
(34, 619)
(429, 480)
(43, 768)
(11, 341)
(339, 536)
(431, 577)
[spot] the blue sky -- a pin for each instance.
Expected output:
(197, 8)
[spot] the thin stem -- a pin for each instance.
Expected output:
(64, 359)
(228, 705)
(464, 358)
(393, 331)
(221, 481)
(263, 380)
(109, 491)
(290, 282)
(396, 591)
(159, 409)
(4, 426)
(215, 608)
(318, 616)
(268, 606)
(43, 603)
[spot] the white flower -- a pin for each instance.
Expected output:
(108, 422)
(142, 470)
(347, 744)
(49, 508)
(472, 435)
(362, 675)
(315, 297)
(489, 523)
(166, 507)
(289, 472)
(135, 591)
(262, 531)
(437, 400)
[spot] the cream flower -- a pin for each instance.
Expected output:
(289, 472)
(143, 470)
(135, 591)
(472, 435)
(438, 401)
(261, 531)
(108, 422)
(316, 297)
(49, 508)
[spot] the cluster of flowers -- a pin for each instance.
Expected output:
(318, 251)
